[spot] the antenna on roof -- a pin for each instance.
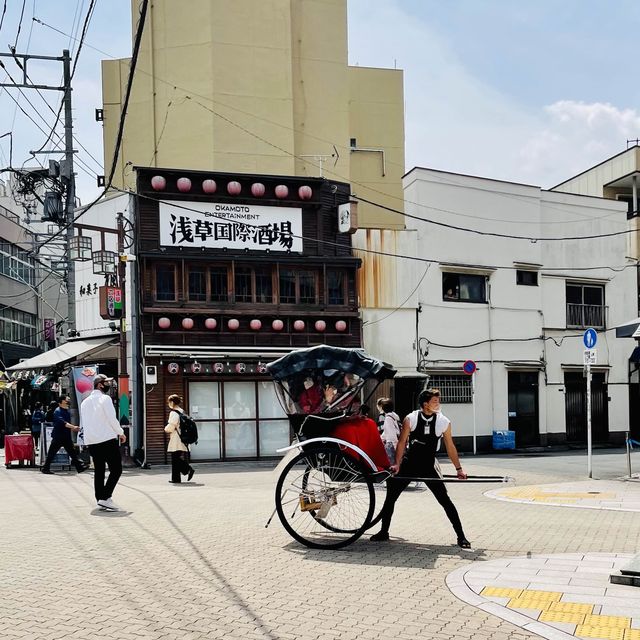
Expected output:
(636, 142)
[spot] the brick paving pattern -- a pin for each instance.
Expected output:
(195, 562)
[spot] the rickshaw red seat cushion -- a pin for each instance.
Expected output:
(363, 433)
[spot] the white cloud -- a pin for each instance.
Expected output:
(456, 122)
(573, 136)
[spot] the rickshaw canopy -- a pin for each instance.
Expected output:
(325, 357)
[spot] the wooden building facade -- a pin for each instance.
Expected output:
(235, 270)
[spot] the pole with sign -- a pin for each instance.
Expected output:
(469, 367)
(590, 338)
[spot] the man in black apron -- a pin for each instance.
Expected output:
(423, 429)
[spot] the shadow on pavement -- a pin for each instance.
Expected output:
(396, 553)
(103, 513)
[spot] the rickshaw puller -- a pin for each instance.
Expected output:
(423, 429)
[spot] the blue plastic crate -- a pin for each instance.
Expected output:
(504, 440)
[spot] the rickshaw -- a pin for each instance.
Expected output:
(325, 494)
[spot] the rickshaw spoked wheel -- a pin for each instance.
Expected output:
(324, 498)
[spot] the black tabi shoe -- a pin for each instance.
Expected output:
(463, 543)
(47, 472)
(381, 536)
(191, 472)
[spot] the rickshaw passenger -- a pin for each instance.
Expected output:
(423, 428)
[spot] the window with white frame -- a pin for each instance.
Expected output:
(454, 389)
(18, 326)
(16, 263)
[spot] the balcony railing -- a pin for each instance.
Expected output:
(586, 315)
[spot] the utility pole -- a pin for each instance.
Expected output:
(67, 175)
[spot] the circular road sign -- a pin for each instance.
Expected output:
(469, 367)
(590, 338)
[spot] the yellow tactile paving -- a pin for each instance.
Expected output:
(528, 603)
(632, 634)
(535, 594)
(559, 616)
(609, 633)
(617, 622)
(571, 607)
(538, 495)
(500, 592)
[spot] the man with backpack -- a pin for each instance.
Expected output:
(183, 432)
(103, 435)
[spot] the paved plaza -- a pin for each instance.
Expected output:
(195, 561)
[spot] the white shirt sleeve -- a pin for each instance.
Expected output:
(110, 415)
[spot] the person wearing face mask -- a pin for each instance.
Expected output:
(103, 435)
(61, 436)
(423, 429)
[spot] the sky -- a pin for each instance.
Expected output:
(532, 91)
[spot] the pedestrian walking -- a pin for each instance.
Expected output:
(423, 429)
(179, 450)
(103, 435)
(390, 428)
(37, 418)
(61, 436)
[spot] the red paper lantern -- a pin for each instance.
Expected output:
(282, 191)
(305, 192)
(234, 188)
(298, 325)
(241, 367)
(233, 324)
(277, 325)
(158, 183)
(218, 367)
(258, 189)
(164, 323)
(173, 368)
(341, 325)
(209, 186)
(196, 367)
(210, 323)
(184, 185)
(187, 323)
(320, 325)
(255, 324)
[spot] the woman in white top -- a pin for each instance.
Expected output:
(390, 427)
(423, 429)
(179, 450)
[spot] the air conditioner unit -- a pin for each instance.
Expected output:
(151, 374)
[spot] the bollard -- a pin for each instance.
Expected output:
(628, 456)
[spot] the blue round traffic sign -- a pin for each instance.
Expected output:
(469, 367)
(590, 338)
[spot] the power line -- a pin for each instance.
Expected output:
(616, 269)
(190, 94)
(4, 11)
(85, 27)
(123, 114)
(15, 44)
(493, 234)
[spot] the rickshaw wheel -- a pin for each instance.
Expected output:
(324, 498)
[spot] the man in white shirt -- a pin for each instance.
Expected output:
(103, 435)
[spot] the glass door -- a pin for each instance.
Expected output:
(240, 438)
(204, 408)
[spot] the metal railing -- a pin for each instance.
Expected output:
(586, 315)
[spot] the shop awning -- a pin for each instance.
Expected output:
(629, 329)
(67, 352)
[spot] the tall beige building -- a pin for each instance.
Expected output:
(259, 86)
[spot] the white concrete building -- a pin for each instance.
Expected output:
(517, 307)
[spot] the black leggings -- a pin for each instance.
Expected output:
(395, 486)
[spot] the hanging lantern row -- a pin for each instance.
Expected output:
(233, 324)
(196, 367)
(233, 188)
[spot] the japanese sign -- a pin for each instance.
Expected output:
(232, 226)
(110, 303)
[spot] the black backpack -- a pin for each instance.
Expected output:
(188, 430)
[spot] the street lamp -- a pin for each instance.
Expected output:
(80, 248)
(104, 262)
